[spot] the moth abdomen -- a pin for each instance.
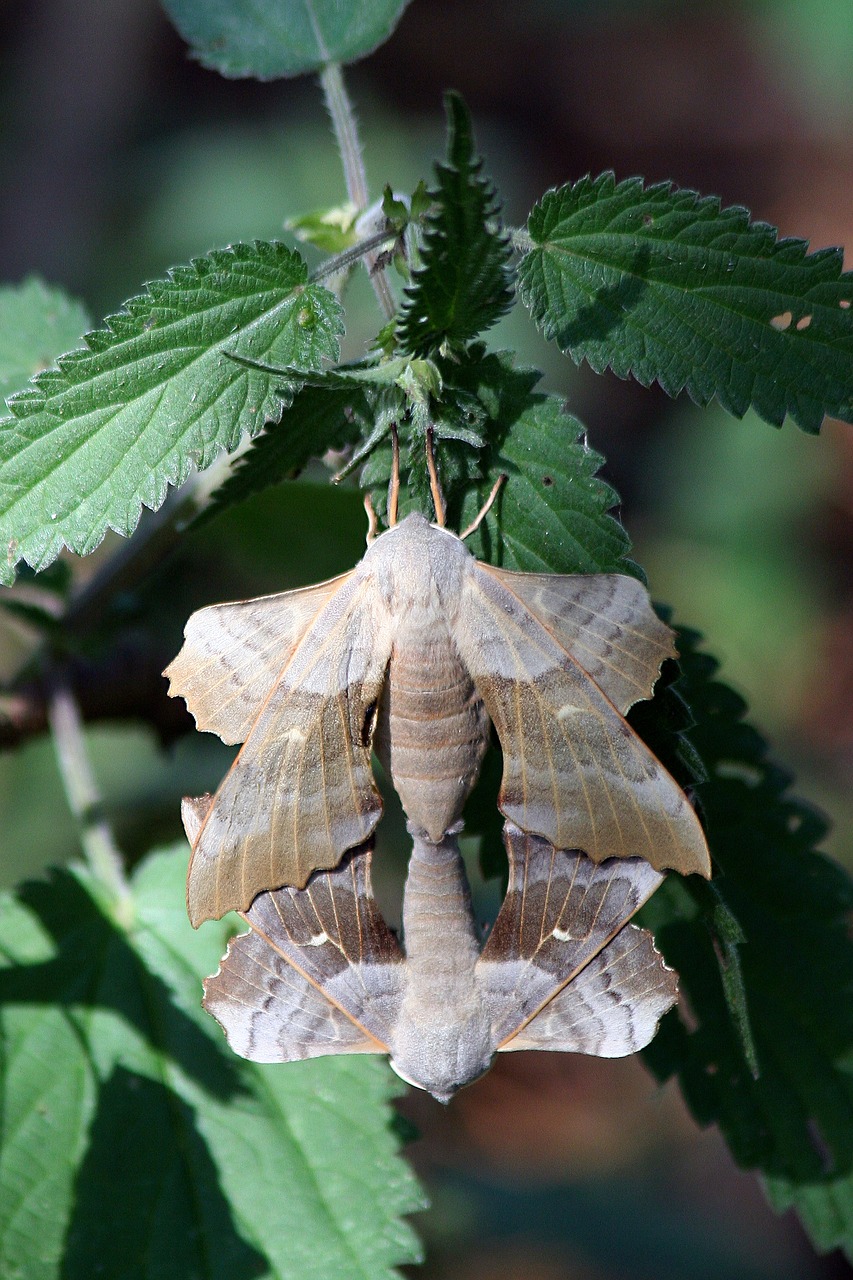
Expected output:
(432, 731)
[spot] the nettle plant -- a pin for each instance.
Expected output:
(117, 1088)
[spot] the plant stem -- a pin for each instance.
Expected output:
(346, 133)
(334, 266)
(84, 800)
(522, 241)
(349, 147)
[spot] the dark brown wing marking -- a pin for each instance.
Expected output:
(561, 909)
(319, 973)
(613, 1006)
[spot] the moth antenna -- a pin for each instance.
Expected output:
(485, 509)
(372, 521)
(394, 486)
(435, 487)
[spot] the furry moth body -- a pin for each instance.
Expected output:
(321, 973)
(412, 653)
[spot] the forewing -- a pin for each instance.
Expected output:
(301, 791)
(614, 1005)
(574, 770)
(560, 910)
(319, 973)
(234, 653)
(605, 621)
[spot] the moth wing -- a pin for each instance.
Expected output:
(574, 770)
(319, 973)
(604, 620)
(271, 1013)
(561, 909)
(233, 654)
(614, 1005)
(301, 791)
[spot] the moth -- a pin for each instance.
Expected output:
(321, 973)
(412, 653)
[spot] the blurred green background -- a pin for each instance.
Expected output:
(120, 157)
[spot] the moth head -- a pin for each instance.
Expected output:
(443, 1060)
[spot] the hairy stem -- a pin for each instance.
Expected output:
(522, 242)
(84, 799)
(346, 133)
(349, 147)
(365, 248)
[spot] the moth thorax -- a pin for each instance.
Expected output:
(432, 730)
(442, 1056)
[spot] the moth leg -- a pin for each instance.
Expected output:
(435, 487)
(372, 519)
(394, 484)
(484, 510)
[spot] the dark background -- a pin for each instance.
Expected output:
(120, 157)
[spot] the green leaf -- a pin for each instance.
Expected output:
(667, 286)
(267, 39)
(553, 513)
(789, 1112)
(134, 1139)
(335, 409)
(463, 284)
(37, 324)
(319, 419)
(104, 434)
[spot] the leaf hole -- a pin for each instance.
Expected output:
(804, 322)
(647, 219)
(782, 321)
(547, 481)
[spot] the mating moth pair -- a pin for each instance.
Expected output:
(412, 654)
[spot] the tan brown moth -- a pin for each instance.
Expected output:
(562, 969)
(411, 653)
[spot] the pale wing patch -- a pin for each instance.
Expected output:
(574, 770)
(612, 1008)
(193, 813)
(560, 910)
(271, 1013)
(605, 621)
(234, 653)
(301, 791)
(320, 973)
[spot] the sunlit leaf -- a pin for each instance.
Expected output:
(152, 394)
(669, 287)
(130, 1132)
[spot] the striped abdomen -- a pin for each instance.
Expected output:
(432, 731)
